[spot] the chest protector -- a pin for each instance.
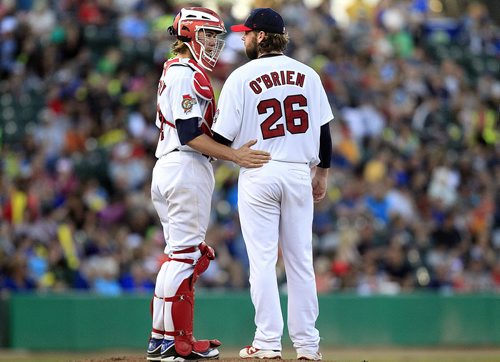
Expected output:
(202, 88)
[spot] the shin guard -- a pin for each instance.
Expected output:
(183, 309)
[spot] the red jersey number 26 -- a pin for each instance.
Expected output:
(296, 120)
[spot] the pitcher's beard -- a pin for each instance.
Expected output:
(252, 51)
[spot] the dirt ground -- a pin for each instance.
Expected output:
(332, 354)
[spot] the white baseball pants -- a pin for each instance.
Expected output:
(181, 190)
(276, 206)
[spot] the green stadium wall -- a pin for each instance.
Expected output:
(89, 322)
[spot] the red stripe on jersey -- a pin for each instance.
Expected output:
(162, 119)
(169, 124)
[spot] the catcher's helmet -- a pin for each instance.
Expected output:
(190, 25)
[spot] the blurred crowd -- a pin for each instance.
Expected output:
(413, 192)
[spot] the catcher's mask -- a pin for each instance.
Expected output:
(201, 30)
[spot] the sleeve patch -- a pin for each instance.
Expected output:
(188, 102)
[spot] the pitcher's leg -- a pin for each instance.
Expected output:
(296, 243)
(303, 307)
(259, 217)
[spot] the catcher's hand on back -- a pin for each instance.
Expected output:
(249, 158)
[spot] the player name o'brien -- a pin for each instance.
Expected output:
(274, 79)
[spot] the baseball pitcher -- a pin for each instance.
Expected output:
(282, 104)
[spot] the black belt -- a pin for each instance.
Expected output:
(177, 150)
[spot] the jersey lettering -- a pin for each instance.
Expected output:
(161, 87)
(296, 120)
(276, 78)
(255, 87)
(267, 80)
(273, 79)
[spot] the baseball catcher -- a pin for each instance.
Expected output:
(183, 181)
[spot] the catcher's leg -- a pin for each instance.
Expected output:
(181, 306)
(163, 279)
(158, 305)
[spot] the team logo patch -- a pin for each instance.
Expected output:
(187, 103)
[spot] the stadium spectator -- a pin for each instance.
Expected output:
(413, 198)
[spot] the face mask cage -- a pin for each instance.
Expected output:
(211, 44)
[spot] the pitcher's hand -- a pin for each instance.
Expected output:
(318, 183)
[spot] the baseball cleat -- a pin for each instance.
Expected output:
(252, 352)
(309, 356)
(168, 353)
(154, 349)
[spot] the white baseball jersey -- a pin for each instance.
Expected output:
(281, 103)
(184, 91)
(278, 101)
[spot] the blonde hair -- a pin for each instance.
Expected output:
(179, 47)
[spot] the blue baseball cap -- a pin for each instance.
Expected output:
(262, 19)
